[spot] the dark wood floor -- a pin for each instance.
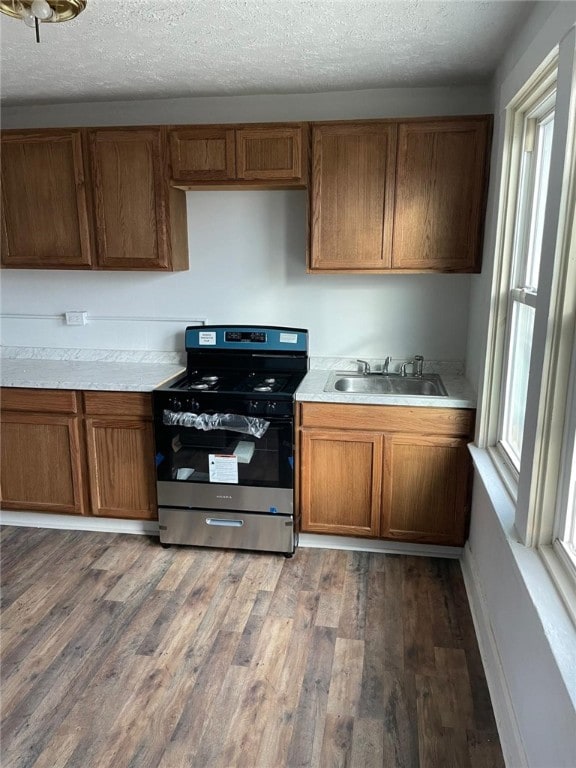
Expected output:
(117, 652)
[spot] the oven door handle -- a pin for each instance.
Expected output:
(218, 521)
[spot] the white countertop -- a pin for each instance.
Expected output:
(143, 371)
(460, 393)
(73, 369)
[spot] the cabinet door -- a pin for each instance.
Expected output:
(121, 467)
(44, 206)
(440, 194)
(352, 196)
(425, 489)
(270, 153)
(340, 482)
(41, 463)
(202, 154)
(129, 198)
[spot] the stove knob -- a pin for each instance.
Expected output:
(175, 404)
(270, 406)
(192, 405)
(253, 406)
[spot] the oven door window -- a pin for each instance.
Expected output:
(189, 455)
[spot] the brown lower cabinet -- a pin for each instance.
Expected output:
(83, 453)
(387, 472)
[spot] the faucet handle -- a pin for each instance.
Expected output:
(386, 364)
(418, 362)
(365, 367)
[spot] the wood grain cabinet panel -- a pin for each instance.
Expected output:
(399, 196)
(129, 198)
(120, 449)
(91, 199)
(352, 196)
(45, 218)
(440, 194)
(121, 467)
(340, 482)
(425, 496)
(385, 481)
(203, 153)
(80, 453)
(41, 462)
(40, 400)
(453, 422)
(256, 155)
(269, 153)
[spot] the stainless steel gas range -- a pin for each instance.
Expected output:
(224, 436)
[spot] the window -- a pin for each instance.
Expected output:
(564, 530)
(528, 414)
(536, 124)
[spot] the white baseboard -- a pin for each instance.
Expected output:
(150, 528)
(78, 522)
(322, 541)
(510, 739)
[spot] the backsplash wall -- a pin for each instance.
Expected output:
(247, 265)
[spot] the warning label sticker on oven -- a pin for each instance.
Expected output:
(222, 468)
(289, 338)
(207, 337)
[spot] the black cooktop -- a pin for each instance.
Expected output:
(240, 382)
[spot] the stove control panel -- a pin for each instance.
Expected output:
(245, 336)
(183, 404)
(270, 407)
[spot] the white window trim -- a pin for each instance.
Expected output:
(546, 495)
(540, 494)
(535, 90)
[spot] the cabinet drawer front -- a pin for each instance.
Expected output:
(40, 400)
(118, 404)
(388, 418)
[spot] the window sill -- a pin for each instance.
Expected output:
(557, 621)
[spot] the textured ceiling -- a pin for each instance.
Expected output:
(148, 49)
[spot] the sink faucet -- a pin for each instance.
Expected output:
(416, 364)
(364, 367)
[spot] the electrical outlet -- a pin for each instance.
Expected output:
(76, 318)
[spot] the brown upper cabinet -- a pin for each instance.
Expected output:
(385, 195)
(234, 155)
(399, 195)
(91, 199)
(352, 196)
(131, 199)
(45, 210)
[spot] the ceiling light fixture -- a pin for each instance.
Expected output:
(32, 12)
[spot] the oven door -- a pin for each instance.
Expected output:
(225, 469)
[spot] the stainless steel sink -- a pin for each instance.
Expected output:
(428, 385)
